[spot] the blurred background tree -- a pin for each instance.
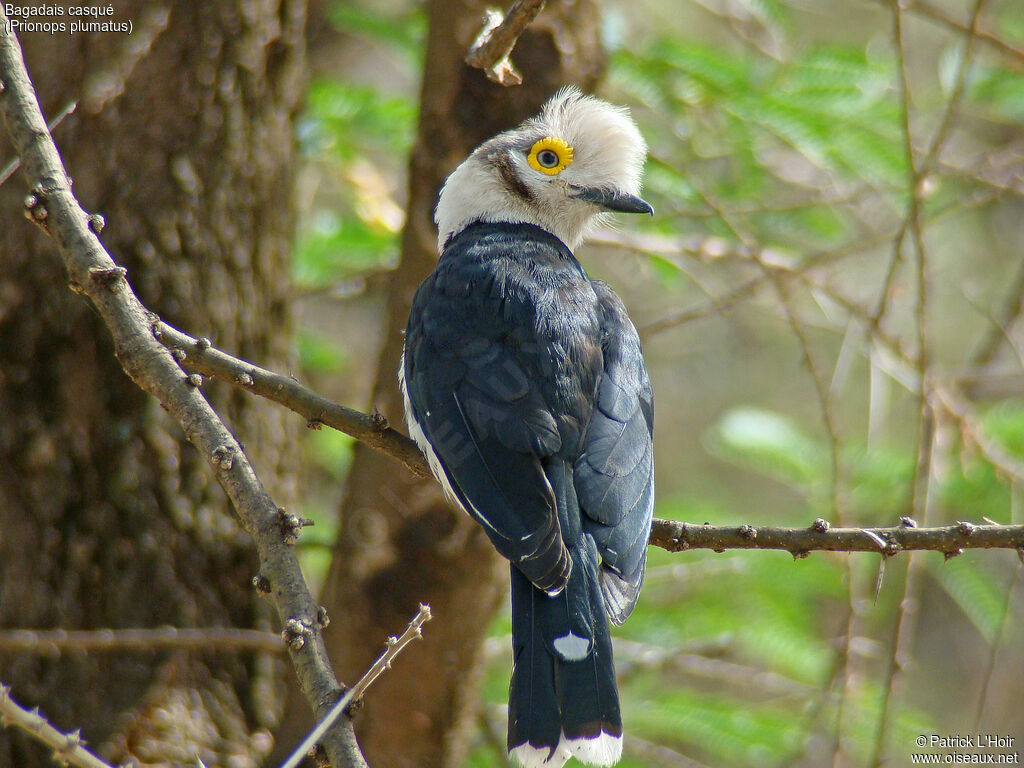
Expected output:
(183, 139)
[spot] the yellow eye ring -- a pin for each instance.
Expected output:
(550, 155)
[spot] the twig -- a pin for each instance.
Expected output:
(13, 166)
(955, 97)
(67, 747)
(874, 324)
(40, 641)
(657, 755)
(493, 46)
(906, 615)
(1011, 308)
(630, 653)
(1002, 327)
(749, 288)
(395, 645)
(927, 10)
(1004, 616)
(93, 272)
(715, 306)
(676, 536)
(738, 20)
(995, 454)
(199, 356)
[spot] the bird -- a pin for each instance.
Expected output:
(525, 387)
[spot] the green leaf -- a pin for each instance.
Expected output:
(769, 443)
(878, 483)
(405, 31)
(1000, 90)
(774, 15)
(1005, 423)
(718, 71)
(320, 353)
(755, 734)
(975, 589)
(349, 119)
(338, 247)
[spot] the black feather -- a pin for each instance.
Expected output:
(527, 380)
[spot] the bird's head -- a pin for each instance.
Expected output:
(562, 170)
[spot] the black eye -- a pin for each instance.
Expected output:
(547, 158)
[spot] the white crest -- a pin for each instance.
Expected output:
(497, 183)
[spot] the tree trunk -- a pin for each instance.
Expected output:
(182, 139)
(400, 544)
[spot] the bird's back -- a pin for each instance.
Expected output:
(510, 316)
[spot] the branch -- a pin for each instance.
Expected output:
(1002, 460)
(395, 645)
(93, 273)
(632, 656)
(493, 46)
(199, 356)
(13, 166)
(139, 640)
(929, 11)
(157, 372)
(718, 304)
(67, 747)
(949, 539)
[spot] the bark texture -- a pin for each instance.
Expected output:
(400, 544)
(182, 139)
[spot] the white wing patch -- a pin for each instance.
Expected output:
(572, 647)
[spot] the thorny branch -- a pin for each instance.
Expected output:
(67, 747)
(493, 46)
(921, 496)
(10, 169)
(395, 645)
(93, 273)
(65, 222)
(949, 539)
(199, 356)
(48, 641)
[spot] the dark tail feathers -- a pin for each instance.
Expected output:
(563, 701)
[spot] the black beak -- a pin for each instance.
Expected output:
(613, 201)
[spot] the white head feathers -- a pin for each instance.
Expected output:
(560, 170)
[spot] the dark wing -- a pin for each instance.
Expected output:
(614, 474)
(476, 378)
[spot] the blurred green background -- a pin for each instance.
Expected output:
(813, 168)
